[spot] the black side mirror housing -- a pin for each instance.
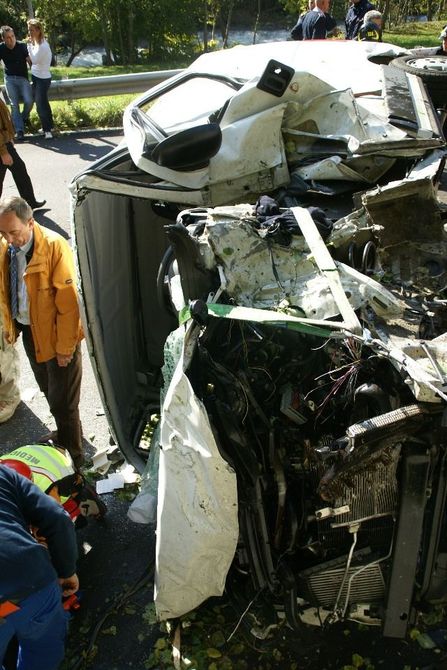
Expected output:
(190, 149)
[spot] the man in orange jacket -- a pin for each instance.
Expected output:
(38, 298)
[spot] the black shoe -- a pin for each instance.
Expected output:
(38, 204)
(48, 437)
(20, 136)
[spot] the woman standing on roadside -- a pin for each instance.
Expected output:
(40, 55)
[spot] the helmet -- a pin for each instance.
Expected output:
(22, 468)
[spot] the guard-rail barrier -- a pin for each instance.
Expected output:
(94, 87)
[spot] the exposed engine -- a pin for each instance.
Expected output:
(318, 482)
(330, 437)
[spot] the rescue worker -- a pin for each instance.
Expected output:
(53, 472)
(31, 575)
(371, 28)
(354, 17)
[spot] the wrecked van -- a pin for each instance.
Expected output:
(262, 264)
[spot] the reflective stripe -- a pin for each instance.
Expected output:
(47, 463)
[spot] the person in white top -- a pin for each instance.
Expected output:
(40, 56)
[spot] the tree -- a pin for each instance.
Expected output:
(75, 24)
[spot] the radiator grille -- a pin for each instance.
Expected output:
(367, 586)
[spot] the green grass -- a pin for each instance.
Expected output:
(416, 34)
(104, 112)
(62, 72)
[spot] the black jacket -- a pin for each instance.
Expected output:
(354, 17)
(314, 26)
(369, 32)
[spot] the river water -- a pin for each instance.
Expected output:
(93, 55)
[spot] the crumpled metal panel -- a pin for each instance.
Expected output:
(262, 274)
(197, 523)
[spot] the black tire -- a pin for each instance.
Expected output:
(433, 72)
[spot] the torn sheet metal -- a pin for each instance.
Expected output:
(197, 524)
(424, 364)
(262, 274)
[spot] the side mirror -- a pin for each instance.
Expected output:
(190, 149)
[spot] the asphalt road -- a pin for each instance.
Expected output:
(52, 165)
(116, 552)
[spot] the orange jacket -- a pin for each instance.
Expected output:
(50, 280)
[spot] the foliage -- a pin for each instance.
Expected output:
(411, 35)
(105, 112)
(11, 15)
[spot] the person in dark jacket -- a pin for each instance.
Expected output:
(371, 28)
(297, 31)
(354, 17)
(33, 577)
(315, 21)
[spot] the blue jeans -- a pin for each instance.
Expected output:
(40, 626)
(40, 92)
(19, 89)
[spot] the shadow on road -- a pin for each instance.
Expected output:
(24, 427)
(76, 144)
(44, 220)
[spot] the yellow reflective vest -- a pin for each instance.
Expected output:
(48, 465)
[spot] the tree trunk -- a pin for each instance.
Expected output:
(121, 49)
(74, 50)
(30, 9)
(227, 26)
(205, 28)
(130, 41)
(258, 16)
(105, 23)
(386, 13)
(105, 38)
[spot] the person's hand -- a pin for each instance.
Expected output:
(7, 159)
(69, 585)
(64, 359)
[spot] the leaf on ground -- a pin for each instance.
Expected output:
(160, 644)
(149, 614)
(212, 652)
(109, 631)
(217, 639)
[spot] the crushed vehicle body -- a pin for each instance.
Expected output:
(262, 263)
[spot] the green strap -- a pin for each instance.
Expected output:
(266, 316)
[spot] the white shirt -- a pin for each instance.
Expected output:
(40, 55)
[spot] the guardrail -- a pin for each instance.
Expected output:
(94, 87)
